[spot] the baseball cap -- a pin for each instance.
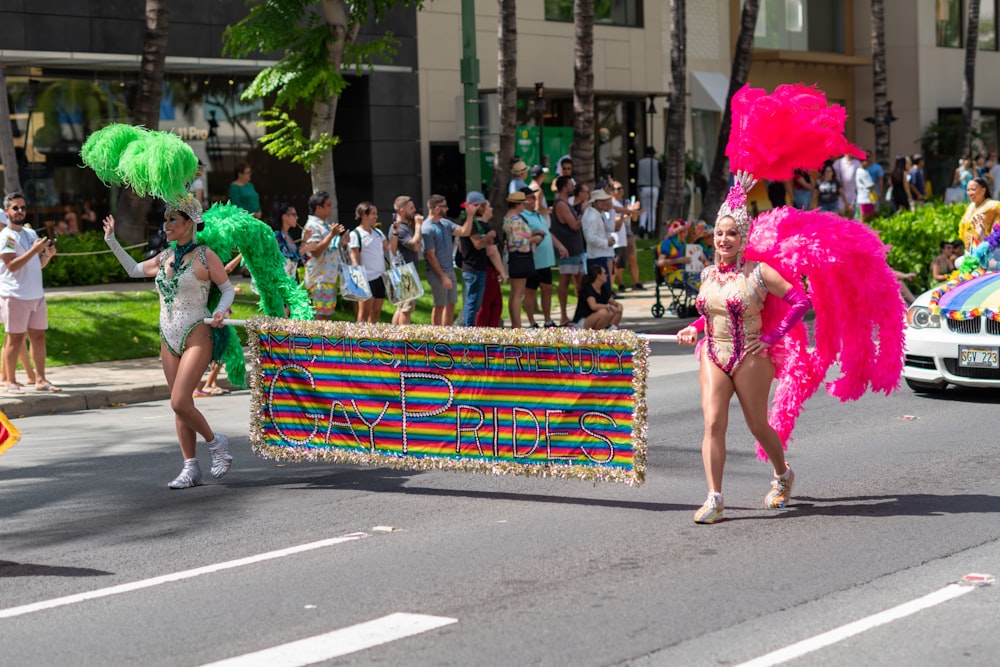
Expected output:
(599, 194)
(538, 170)
(474, 199)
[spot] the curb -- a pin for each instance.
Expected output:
(35, 405)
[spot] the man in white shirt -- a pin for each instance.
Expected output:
(648, 182)
(846, 170)
(864, 186)
(22, 297)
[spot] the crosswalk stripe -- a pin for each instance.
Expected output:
(831, 637)
(176, 576)
(339, 642)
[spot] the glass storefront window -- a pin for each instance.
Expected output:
(626, 13)
(52, 116)
(800, 25)
(948, 20)
(988, 25)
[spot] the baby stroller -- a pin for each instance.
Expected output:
(682, 287)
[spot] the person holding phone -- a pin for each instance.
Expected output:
(22, 297)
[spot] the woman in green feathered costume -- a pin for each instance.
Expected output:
(190, 276)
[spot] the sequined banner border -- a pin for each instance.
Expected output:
(635, 476)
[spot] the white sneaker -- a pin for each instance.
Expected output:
(221, 458)
(711, 511)
(190, 476)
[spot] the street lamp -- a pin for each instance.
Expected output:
(889, 120)
(651, 111)
(540, 111)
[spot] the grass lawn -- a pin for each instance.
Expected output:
(123, 325)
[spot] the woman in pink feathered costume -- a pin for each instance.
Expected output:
(753, 299)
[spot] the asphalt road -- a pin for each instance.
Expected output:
(896, 498)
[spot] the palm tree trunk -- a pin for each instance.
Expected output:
(324, 112)
(969, 83)
(880, 82)
(507, 99)
(582, 148)
(676, 115)
(132, 209)
(11, 174)
(717, 181)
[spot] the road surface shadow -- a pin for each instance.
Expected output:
(907, 504)
(11, 569)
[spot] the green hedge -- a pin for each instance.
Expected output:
(65, 269)
(915, 237)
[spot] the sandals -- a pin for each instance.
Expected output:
(14, 389)
(198, 393)
(217, 391)
(47, 387)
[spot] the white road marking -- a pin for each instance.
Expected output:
(339, 642)
(831, 637)
(176, 576)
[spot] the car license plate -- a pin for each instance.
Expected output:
(978, 357)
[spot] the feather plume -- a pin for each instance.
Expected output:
(859, 312)
(793, 128)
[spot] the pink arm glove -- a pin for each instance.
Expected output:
(799, 303)
(698, 324)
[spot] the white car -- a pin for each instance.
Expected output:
(942, 351)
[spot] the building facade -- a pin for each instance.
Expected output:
(71, 68)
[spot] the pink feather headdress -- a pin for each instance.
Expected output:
(792, 128)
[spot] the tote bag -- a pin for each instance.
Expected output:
(402, 282)
(353, 281)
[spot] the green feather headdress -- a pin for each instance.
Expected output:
(152, 163)
(161, 164)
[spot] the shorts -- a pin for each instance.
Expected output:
(573, 265)
(442, 296)
(406, 306)
(324, 298)
(19, 315)
(377, 287)
(521, 265)
(600, 261)
(620, 257)
(867, 209)
(541, 277)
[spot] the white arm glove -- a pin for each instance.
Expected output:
(132, 268)
(226, 300)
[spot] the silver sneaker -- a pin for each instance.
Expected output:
(221, 458)
(190, 476)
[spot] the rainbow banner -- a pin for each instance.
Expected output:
(548, 403)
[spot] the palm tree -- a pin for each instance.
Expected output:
(315, 39)
(969, 83)
(11, 175)
(507, 99)
(146, 111)
(582, 148)
(880, 82)
(676, 115)
(717, 181)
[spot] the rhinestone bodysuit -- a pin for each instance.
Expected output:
(730, 300)
(183, 299)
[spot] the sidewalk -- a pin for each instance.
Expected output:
(98, 385)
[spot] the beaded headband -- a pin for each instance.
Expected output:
(735, 205)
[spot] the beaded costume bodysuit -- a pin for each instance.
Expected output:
(183, 299)
(730, 300)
